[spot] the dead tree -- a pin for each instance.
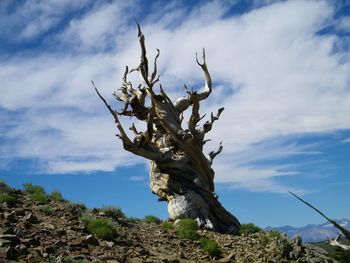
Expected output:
(180, 173)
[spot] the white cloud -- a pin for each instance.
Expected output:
(273, 73)
(347, 140)
(97, 29)
(34, 18)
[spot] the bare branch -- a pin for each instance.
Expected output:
(155, 67)
(209, 124)
(114, 114)
(128, 145)
(213, 154)
(134, 130)
(208, 84)
(144, 60)
(181, 104)
(342, 229)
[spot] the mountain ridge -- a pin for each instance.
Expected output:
(313, 233)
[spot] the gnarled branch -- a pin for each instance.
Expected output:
(213, 154)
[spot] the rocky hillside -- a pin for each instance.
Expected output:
(36, 227)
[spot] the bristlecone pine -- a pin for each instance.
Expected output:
(180, 173)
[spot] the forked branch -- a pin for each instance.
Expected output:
(213, 154)
(135, 147)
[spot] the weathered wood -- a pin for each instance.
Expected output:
(180, 173)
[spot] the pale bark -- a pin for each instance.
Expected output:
(180, 173)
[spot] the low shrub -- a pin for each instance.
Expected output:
(341, 255)
(4, 188)
(152, 218)
(36, 192)
(275, 234)
(134, 219)
(249, 228)
(113, 212)
(167, 226)
(31, 188)
(41, 198)
(187, 228)
(46, 209)
(56, 196)
(75, 209)
(86, 218)
(103, 228)
(210, 246)
(8, 198)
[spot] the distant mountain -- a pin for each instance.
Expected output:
(313, 233)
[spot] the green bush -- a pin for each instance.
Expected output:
(210, 246)
(36, 192)
(113, 212)
(167, 226)
(31, 189)
(46, 209)
(86, 218)
(103, 228)
(56, 196)
(75, 208)
(275, 234)
(341, 255)
(250, 228)
(8, 198)
(152, 218)
(134, 219)
(187, 228)
(4, 188)
(41, 198)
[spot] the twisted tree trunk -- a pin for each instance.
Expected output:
(179, 171)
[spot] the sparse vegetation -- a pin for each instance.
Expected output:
(134, 219)
(210, 246)
(6, 195)
(103, 228)
(167, 226)
(8, 198)
(152, 218)
(249, 228)
(86, 218)
(187, 228)
(113, 212)
(36, 193)
(76, 208)
(46, 209)
(341, 255)
(56, 196)
(275, 234)
(4, 187)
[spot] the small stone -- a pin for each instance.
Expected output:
(31, 218)
(9, 239)
(227, 258)
(75, 242)
(134, 260)
(11, 217)
(109, 244)
(91, 240)
(31, 259)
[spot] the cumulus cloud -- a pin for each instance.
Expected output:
(276, 75)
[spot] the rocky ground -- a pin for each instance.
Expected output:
(32, 232)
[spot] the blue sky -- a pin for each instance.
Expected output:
(281, 69)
